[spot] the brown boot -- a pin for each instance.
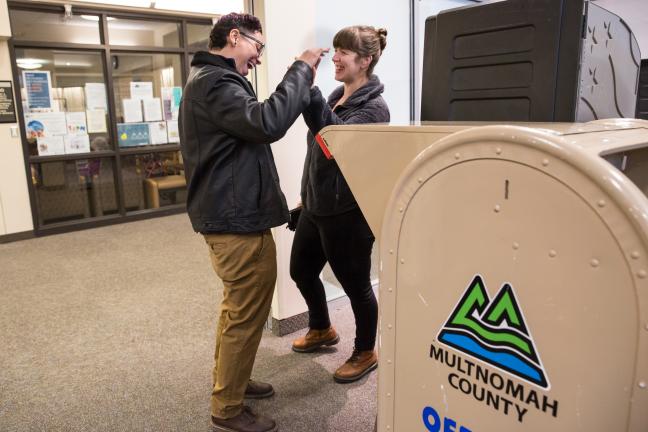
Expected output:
(315, 339)
(246, 421)
(359, 364)
(258, 390)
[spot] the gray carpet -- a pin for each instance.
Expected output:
(111, 329)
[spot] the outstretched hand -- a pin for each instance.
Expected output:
(313, 56)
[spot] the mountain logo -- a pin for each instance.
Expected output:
(495, 332)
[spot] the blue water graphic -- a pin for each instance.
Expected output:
(505, 360)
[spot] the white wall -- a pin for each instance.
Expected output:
(635, 14)
(15, 209)
(287, 37)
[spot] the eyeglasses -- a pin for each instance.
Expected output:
(260, 45)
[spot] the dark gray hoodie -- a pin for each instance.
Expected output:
(324, 191)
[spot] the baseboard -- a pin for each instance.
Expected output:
(24, 235)
(289, 325)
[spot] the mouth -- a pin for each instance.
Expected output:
(251, 64)
(338, 69)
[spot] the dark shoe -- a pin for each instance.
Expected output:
(246, 421)
(359, 364)
(315, 339)
(258, 390)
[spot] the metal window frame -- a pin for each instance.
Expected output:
(106, 50)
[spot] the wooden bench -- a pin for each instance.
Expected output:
(156, 185)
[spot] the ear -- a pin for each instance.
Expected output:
(234, 36)
(365, 62)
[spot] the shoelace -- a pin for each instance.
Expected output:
(354, 357)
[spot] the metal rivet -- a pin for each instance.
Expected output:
(601, 203)
(402, 261)
(390, 289)
(498, 150)
(400, 209)
(646, 326)
(388, 427)
(552, 253)
(635, 255)
(594, 262)
(642, 384)
(642, 274)
(545, 162)
(391, 251)
(457, 156)
(388, 394)
(388, 361)
(389, 326)
(516, 245)
(497, 208)
(420, 180)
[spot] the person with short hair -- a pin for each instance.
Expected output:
(331, 227)
(234, 197)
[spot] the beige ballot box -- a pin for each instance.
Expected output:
(513, 272)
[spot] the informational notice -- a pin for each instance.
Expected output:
(76, 123)
(95, 94)
(158, 132)
(172, 131)
(46, 124)
(38, 85)
(141, 90)
(132, 110)
(96, 121)
(7, 107)
(133, 134)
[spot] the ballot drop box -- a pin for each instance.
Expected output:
(513, 272)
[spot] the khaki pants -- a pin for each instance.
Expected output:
(247, 265)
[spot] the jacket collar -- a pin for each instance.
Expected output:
(370, 90)
(203, 57)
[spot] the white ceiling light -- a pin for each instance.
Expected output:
(220, 7)
(94, 18)
(133, 3)
(29, 63)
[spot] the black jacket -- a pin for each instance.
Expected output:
(225, 132)
(324, 191)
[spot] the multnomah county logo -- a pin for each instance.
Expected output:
(494, 331)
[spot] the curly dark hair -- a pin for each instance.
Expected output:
(222, 28)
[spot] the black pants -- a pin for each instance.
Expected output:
(345, 241)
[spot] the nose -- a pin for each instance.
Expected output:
(258, 61)
(336, 58)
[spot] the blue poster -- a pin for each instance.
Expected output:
(39, 89)
(132, 134)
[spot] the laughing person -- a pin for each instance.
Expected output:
(331, 227)
(234, 198)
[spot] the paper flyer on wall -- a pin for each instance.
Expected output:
(158, 132)
(173, 132)
(132, 110)
(132, 134)
(152, 109)
(141, 90)
(38, 86)
(77, 144)
(171, 97)
(95, 94)
(96, 121)
(45, 124)
(76, 123)
(49, 146)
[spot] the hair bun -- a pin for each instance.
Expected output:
(382, 35)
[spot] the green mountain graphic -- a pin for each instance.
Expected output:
(493, 331)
